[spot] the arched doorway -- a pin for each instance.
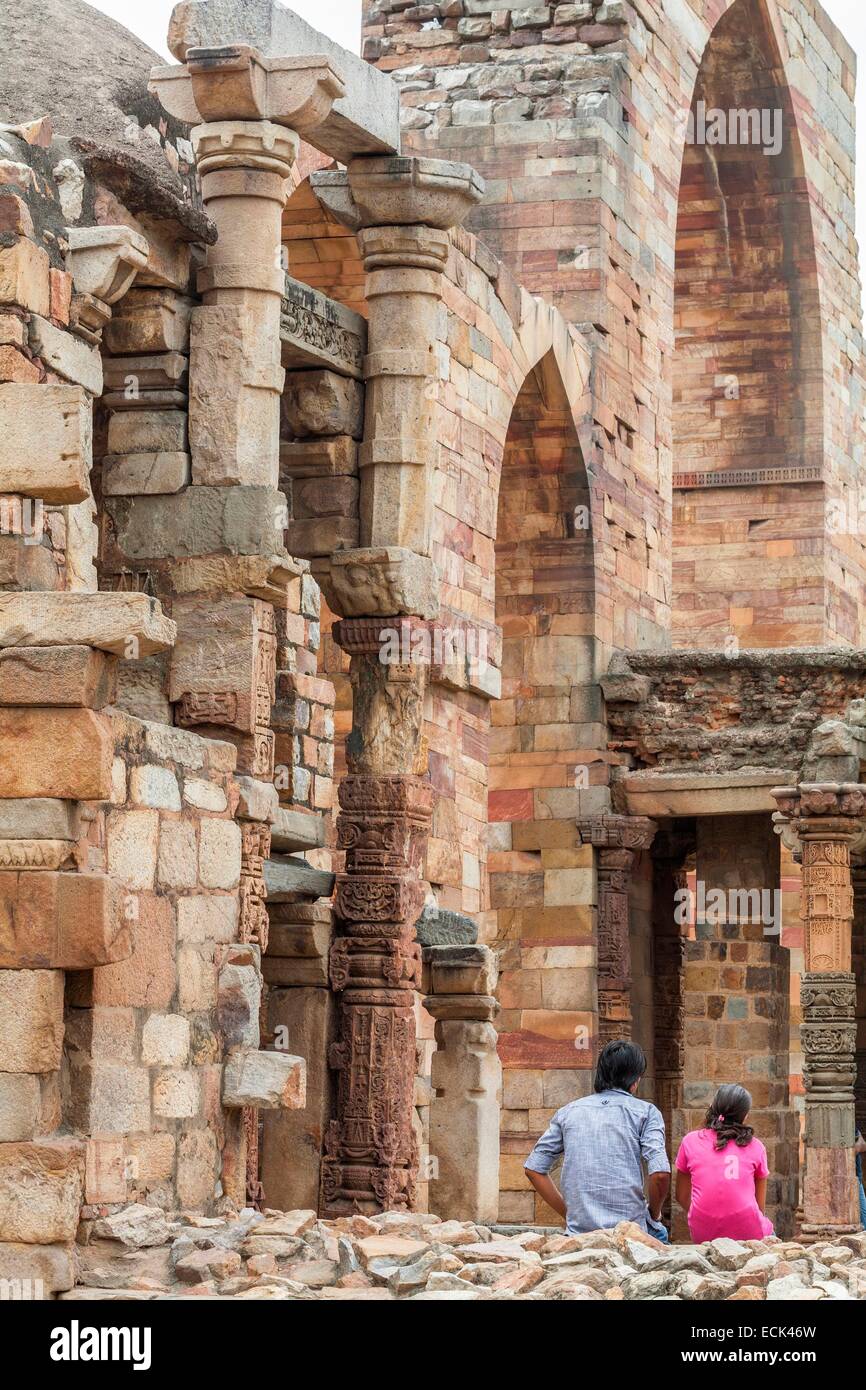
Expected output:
(545, 736)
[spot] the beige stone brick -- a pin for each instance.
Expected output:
(177, 864)
(152, 785)
(177, 1094)
(132, 847)
(196, 979)
(31, 1020)
(207, 796)
(29, 1105)
(197, 1168)
(207, 919)
(45, 442)
(52, 1266)
(119, 1098)
(165, 1040)
(219, 853)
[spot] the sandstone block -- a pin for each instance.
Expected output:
(132, 845)
(156, 786)
(113, 1099)
(56, 676)
(41, 1186)
(177, 864)
(131, 475)
(460, 969)
(200, 521)
(177, 1094)
(51, 1266)
(147, 432)
(148, 321)
(223, 664)
(257, 801)
(234, 399)
(318, 458)
(45, 441)
(29, 1105)
(238, 1001)
(55, 753)
(66, 354)
(322, 403)
(24, 276)
(269, 577)
(165, 1040)
(127, 624)
(219, 853)
(25, 565)
(265, 1080)
(61, 921)
(31, 1020)
(38, 818)
(137, 1227)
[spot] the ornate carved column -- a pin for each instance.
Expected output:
(617, 839)
(371, 1157)
(828, 819)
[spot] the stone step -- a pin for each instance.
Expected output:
(285, 878)
(297, 830)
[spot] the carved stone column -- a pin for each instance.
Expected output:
(828, 819)
(617, 839)
(371, 1158)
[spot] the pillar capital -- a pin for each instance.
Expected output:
(613, 832)
(221, 146)
(237, 82)
(104, 261)
(399, 190)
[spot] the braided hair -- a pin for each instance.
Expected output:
(726, 1114)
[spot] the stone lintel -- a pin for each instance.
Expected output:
(296, 830)
(366, 120)
(316, 331)
(662, 794)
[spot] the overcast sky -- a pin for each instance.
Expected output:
(341, 20)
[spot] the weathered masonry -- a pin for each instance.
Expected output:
(431, 575)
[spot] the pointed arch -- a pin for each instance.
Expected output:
(747, 366)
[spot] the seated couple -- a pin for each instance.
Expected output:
(606, 1138)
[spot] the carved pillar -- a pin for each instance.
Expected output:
(828, 819)
(371, 1159)
(858, 964)
(617, 839)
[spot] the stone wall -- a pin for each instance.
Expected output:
(575, 115)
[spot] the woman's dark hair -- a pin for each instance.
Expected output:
(620, 1065)
(725, 1116)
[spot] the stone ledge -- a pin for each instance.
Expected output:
(124, 624)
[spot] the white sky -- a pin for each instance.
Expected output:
(341, 20)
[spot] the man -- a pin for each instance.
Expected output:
(604, 1138)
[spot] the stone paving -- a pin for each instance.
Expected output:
(139, 1254)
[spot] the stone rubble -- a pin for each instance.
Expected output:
(138, 1255)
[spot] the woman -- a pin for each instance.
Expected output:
(722, 1173)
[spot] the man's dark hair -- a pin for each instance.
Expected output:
(620, 1065)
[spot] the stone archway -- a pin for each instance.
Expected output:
(747, 364)
(544, 767)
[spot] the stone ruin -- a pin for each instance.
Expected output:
(414, 574)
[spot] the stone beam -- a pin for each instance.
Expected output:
(316, 331)
(365, 120)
